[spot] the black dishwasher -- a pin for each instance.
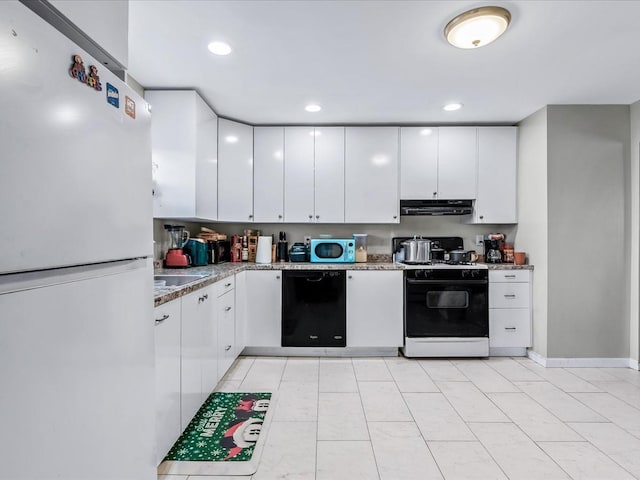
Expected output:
(314, 308)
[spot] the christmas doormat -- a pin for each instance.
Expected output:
(225, 429)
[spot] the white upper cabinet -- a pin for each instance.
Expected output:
(329, 175)
(235, 171)
(184, 155)
(497, 159)
(457, 163)
(298, 174)
(418, 163)
(371, 175)
(268, 174)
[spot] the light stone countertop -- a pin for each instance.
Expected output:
(213, 273)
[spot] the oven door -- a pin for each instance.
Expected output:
(449, 308)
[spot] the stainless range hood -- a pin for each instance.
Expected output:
(436, 207)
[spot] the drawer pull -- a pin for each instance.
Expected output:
(509, 276)
(510, 328)
(227, 348)
(227, 285)
(227, 309)
(510, 295)
(160, 320)
(313, 337)
(277, 277)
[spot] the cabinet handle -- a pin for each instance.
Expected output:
(509, 328)
(510, 295)
(160, 320)
(435, 193)
(509, 276)
(395, 216)
(206, 295)
(227, 348)
(317, 216)
(313, 337)
(310, 217)
(350, 277)
(279, 216)
(277, 277)
(481, 217)
(227, 309)
(337, 337)
(250, 217)
(227, 285)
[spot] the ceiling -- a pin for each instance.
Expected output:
(385, 61)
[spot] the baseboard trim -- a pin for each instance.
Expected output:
(635, 364)
(582, 362)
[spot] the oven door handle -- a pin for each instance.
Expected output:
(412, 281)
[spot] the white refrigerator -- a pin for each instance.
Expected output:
(76, 295)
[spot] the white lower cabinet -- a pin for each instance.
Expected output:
(197, 316)
(167, 356)
(226, 332)
(241, 312)
(509, 311)
(374, 308)
(263, 308)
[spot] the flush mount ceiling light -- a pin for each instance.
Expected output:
(219, 48)
(452, 107)
(478, 27)
(313, 108)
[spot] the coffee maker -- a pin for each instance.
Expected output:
(177, 237)
(492, 253)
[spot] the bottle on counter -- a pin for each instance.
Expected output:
(273, 248)
(245, 249)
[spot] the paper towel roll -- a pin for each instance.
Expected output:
(263, 254)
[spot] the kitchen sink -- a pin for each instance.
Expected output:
(176, 280)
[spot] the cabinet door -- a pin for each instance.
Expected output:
(206, 161)
(371, 175)
(329, 175)
(264, 310)
(457, 163)
(298, 174)
(196, 310)
(173, 152)
(374, 308)
(226, 332)
(167, 343)
(497, 158)
(235, 171)
(268, 174)
(241, 311)
(418, 163)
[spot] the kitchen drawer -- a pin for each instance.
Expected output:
(509, 327)
(225, 285)
(508, 276)
(509, 295)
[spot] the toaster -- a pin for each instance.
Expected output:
(298, 253)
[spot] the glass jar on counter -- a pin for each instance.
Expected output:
(361, 247)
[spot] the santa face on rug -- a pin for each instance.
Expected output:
(241, 434)
(249, 404)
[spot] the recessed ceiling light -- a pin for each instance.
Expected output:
(231, 139)
(315, 133)
(219, 48)
(313, 108)
(426, 131)
(452, 107)
(478, 27)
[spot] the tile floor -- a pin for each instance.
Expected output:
(406, 419)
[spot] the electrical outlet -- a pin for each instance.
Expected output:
(479, 240)
(307, 240)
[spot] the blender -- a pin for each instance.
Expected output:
(361, 247)
(177, 237)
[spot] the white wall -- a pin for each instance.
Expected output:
(633, 221)
(105, 21)
(531, 235)
(587, 158)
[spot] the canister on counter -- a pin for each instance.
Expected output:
(508, 253)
